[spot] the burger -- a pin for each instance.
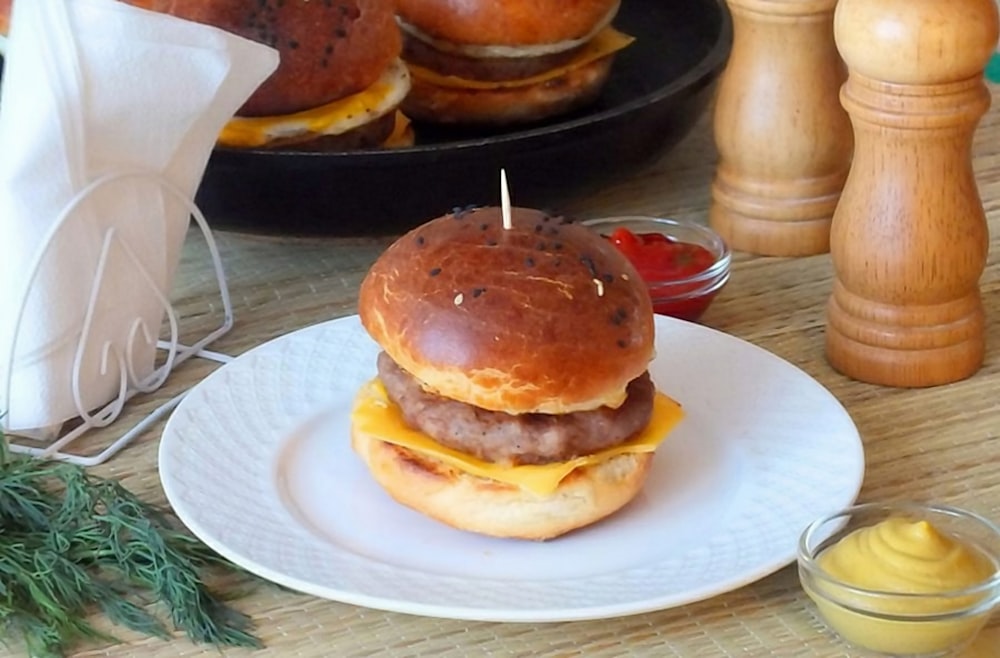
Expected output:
(340, 78)
(501, 62)
(5, 7)
(512, 396)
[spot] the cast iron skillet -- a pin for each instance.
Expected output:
(659, 87)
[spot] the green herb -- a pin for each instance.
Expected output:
(72, 544)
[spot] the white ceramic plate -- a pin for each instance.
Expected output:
(256, 461)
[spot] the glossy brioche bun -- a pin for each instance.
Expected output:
(329, 49)
(545, 317)
(501, 106)
(476, 504)
(508, 22)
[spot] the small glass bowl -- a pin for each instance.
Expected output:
(891, 622)
(684, 297)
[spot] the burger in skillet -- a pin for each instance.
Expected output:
(4, 22)
(339, 81)
(512, 396)
(501, 62)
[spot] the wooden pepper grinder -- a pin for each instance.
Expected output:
(784, 141)
(909, 237)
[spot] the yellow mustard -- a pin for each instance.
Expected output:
(902, 556)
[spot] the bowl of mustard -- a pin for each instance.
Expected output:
(903, 579)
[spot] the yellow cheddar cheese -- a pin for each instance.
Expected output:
(375, 415)
(331, 119)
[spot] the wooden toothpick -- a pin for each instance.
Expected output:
(504, 200)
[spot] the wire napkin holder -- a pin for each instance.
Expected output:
(172, 350)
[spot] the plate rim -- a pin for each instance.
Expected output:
(851, 481)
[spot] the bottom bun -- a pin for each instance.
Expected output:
(501, 106)
(488, 507)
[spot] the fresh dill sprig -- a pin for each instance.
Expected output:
(72, 544)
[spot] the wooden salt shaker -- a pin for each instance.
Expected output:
(784, 140)
(909, 237)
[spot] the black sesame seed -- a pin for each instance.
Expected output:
(476, 292)
(538, 228)
(460, 212)
(435, 271)
(293, 44)
(621, 343)
(491, 243)
(421, 240)
(588, 262)
(483, 227)
(608, 278)
(529, 261)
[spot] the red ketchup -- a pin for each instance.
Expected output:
(670, 268)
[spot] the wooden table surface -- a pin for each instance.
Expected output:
(937, 444)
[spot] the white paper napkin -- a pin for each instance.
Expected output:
(108, 114)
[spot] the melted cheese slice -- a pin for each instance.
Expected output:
(374, 414)
(333, 118)
(607, 41)
(402, 133)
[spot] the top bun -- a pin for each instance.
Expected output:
(510, 22)
(328, 49)
(544, 317)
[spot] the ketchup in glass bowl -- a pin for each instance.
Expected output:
(683, 264)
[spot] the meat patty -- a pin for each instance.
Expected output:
(503, 438)
(493, 69)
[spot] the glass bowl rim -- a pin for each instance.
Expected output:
(710, 287)
(719, 269)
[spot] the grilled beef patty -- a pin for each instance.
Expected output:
(503, 438)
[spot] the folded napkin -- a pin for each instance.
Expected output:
(108, 114)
